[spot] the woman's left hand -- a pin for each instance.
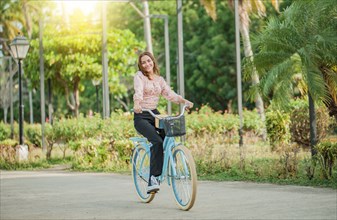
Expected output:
(189, 104)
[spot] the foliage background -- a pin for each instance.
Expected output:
(73, 54)
(209, 54)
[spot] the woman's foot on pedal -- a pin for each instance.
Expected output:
(153, 186)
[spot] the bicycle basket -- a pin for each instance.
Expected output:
(174, 126)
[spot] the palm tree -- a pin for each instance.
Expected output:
(246, 7)
(10, 16)
(302, 40)
(16, 14)
(13, 15)
(30, 10)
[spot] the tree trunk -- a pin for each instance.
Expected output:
(125, 106)
(29, 27)
(147, 26)
(76, 96)
(64, 153)
(313, 127)
(50, 103)
(244, 29)
(28, 19)
(49, 149)
(72, 95)
(5, 115)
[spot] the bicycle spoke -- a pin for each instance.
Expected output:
(140, 173)
(184, 181)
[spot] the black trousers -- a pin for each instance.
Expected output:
(145, 125)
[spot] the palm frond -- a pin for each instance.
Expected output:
(277, 36)
(283, 92)
(253, 92)
(265, 61)
(316, 84)
(279, 74)
(298, 43)
(331, 82)
(210, 7)
(276, 5)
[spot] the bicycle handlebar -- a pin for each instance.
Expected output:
(174, 117)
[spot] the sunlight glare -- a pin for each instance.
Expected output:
(87, 7)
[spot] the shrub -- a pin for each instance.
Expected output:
(206, 121)
(288, 163)
(33, 134)
(7, 149)
(51, 135)
(252, 122)
(5, 131)
(101, 154)
(277, 125)
(327, 156)
(300, 124)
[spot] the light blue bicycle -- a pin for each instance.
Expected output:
(178, 166)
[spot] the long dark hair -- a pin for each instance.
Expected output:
(155, 66)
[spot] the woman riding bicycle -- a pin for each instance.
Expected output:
(148, 86)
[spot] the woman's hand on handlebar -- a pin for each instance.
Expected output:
(188, 104)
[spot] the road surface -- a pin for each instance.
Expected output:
(61, 194)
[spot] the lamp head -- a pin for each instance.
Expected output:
(19, 47)
(96, 82)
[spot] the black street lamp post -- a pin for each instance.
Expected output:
(96, 83)
(19, 49)
(97, 102)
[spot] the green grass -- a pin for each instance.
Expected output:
(34, 165)
(24, 165)
(290, 181)
(249, 174)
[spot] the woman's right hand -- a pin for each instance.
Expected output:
(137, 108)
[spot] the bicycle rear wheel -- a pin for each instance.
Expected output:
(184, 183)
(141, 172)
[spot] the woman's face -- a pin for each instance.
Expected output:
(147, 63)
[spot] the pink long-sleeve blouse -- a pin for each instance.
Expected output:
(147, 91)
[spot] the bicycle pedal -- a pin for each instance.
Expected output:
(153, 192)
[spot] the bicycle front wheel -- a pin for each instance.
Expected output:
(141, 172)
(184, 179)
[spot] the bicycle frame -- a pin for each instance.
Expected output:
(168, 145)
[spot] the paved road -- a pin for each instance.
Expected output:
(68, 195)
